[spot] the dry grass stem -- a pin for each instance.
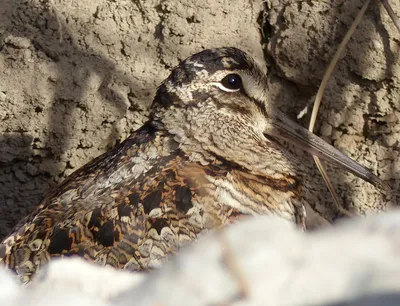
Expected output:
(318, 100)
(391, 13)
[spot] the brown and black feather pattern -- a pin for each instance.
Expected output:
(157, 190)
(129, 214)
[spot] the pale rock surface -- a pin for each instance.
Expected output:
(260, 261)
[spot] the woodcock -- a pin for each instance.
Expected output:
(207, 156)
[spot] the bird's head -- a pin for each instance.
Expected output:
(216, 104)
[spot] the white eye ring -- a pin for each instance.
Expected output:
(222, 87)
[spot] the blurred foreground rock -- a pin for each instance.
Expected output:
(262, 261)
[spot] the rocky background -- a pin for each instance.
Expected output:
(76, 77)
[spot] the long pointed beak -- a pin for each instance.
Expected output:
(286, 129)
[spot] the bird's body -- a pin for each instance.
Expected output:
(204, 159)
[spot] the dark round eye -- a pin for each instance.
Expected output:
(232, 81)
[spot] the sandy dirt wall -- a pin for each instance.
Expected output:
(76, 77)
(360, 112)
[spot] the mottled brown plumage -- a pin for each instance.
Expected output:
(206, 157)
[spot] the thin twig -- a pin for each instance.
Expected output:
(320, 93)
(391, 13)
(331, 188)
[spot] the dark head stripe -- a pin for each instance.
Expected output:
(213, 60)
